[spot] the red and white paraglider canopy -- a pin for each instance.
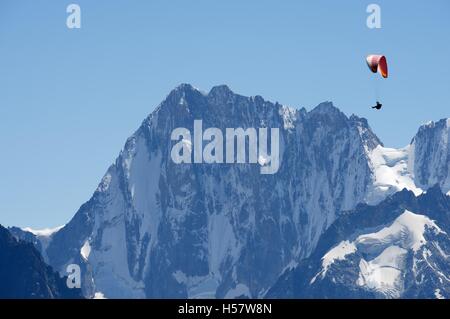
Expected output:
(378, 63)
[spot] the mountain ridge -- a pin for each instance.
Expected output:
(157, 229)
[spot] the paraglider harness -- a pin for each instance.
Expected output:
(378, 106)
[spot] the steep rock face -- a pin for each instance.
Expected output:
(431, 161)
(24, 274)
(160, 229)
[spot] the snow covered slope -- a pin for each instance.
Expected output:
(392, 171)
(383, 254)
(383, 251)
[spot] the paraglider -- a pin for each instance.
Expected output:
(377, 64)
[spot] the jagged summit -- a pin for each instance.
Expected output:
(326, 107)
(220, 90)
(445, 122)
(185, 87)
(327, 111)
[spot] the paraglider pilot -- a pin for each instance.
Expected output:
(378, 106)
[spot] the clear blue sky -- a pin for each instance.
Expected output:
(70, 98)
